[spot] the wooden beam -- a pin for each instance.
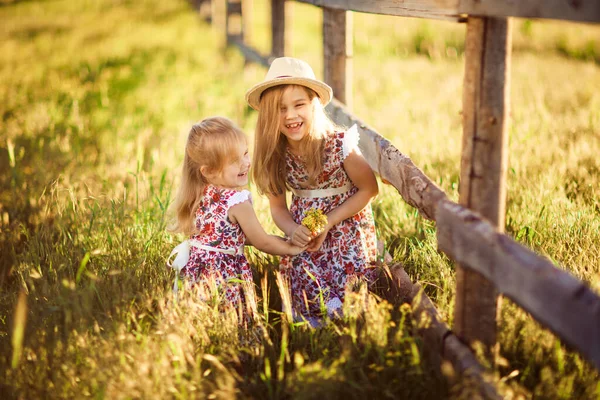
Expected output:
(247, 18)
(439, 340)
(571, 10)
(456, 10)
(251, 54)
(393, 167)
(483, 164)
(337, 53)
(433, 9)
(440, 343)
(554, 297)
(233, 20)
(278, 28)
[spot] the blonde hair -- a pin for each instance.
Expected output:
(211, 143)
(268, 161)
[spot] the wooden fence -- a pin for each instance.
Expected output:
(470, 233)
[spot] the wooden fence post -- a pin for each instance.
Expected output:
(247, 6)
(280, 27)
(483, 164)
(337, 53)
(233, 21)
(205, 9)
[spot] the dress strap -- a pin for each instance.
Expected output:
(322, 192)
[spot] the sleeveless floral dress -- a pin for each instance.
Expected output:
(349, 251)
(215, 229)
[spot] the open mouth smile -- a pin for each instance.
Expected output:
(294, 125)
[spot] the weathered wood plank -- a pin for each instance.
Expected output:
(440, 343)
(393, 167)
(337, 53)
(485, 117)
(554, 297)
(483, 164)
(457, 10)
(433, 9)
(439, 339)
(234, 7)
(573, 10)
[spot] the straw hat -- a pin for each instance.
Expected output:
(289, 71)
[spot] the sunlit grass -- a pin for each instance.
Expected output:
(95, 101)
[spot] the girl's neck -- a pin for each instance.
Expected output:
(219, 187)
(294, 149)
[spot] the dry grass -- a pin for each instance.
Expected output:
(96, 99)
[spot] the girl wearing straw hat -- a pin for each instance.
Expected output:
(297, 148)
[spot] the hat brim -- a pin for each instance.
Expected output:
(322, 90)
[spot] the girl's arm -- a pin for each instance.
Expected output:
(299, 234)
(363, 178)
(244, 215)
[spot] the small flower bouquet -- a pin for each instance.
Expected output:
(315, 220)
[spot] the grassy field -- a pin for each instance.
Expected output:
(96, 98)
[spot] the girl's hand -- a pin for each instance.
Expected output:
(301, 236)
(316, 243)
(295, 250)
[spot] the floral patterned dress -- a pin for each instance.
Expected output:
(349, 251)
(216, 230)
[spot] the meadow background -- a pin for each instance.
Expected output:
(96, 99)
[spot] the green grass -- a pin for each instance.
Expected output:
(95, 101)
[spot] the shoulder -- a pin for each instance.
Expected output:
(347, 141)
(238, 196)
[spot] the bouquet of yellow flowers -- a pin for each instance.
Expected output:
(315, 220)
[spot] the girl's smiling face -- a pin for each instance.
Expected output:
(296, 115)
(235, 173)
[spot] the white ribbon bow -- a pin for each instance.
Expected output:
(182, 255)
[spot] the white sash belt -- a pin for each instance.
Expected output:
(322, 192)
(182, 255)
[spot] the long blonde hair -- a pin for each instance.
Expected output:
(268, 161)
(212, 144)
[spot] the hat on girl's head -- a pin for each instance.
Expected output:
(289, 71)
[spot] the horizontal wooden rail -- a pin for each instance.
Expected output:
(457, 10)
(431, 9)
(568, 10)
(554, 297)
(251, 54)
(392, 166)
(440, 342)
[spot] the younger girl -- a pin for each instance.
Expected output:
(217, 215)
(298, 149)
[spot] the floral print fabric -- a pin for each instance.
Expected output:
(348, 252)
(215, 229)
